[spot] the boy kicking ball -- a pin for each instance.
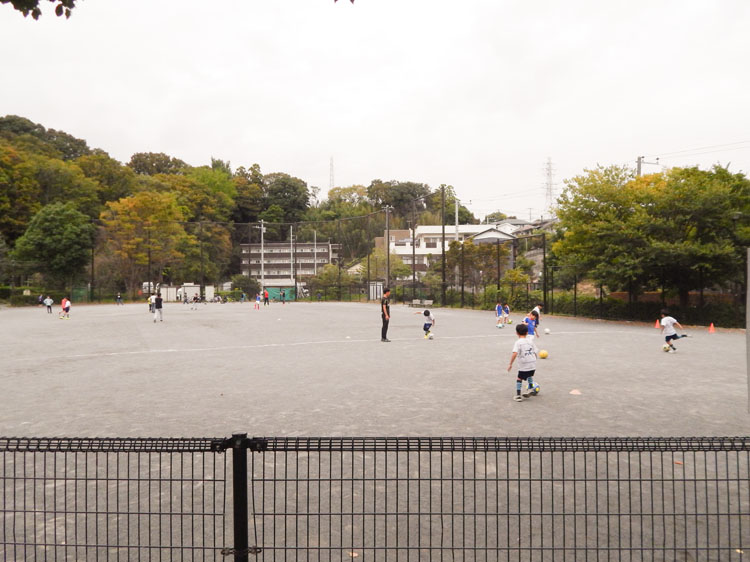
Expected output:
(667, 328)
(525, 351)
(429, 323)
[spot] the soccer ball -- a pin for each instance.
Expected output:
(666, 347)
(535, 388)
(510, 321)
(546, 330)
(498, 325)
(430, 336)
(543, 354)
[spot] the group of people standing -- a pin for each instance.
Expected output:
(64, 306)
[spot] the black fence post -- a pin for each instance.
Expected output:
(239, 491)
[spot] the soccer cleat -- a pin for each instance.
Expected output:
(385, 340)
(517, 398)
(526, 393)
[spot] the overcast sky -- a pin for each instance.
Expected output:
(475, 94)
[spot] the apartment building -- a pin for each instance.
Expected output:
(283, 262)
(426, 239)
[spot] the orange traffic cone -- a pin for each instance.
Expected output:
(657, 326)
(711, 329)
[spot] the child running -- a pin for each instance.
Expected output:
(667, 328)
(525, 351)
(429, 323)
(257, 302)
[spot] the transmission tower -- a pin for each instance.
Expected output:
(549, 185)
(330, 176)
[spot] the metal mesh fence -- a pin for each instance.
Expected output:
(482, 499)
(116, 499)
(502, 499)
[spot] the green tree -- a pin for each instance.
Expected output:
(404, 197)
(273, 216)
(60, 181)
(114, 180)
(30, 181)
(19, 192)
(152, 163)
(602, 219)
(57, 243)
(497, 216)
(478, 262)
(676, 230)
(55, 144)
(398, 269)
(249, 285)
(289, 193)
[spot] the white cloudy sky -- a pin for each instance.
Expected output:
(476, 94)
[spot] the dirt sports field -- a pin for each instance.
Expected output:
(319, 369)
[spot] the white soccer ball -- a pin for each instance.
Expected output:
(666, 347)
(546, 330)
(430, 336)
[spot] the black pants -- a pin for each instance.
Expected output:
(384, 330)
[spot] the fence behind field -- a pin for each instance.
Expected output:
(482, 499)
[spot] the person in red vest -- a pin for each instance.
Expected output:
(65, 308)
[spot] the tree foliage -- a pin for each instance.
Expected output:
(57, 243)
(477, 263)
(152, 163)
(680, 230)
(27, 7)
(59, 143)
(141, 230)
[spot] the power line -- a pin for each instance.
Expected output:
(716, 146)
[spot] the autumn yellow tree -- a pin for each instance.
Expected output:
(143, 232)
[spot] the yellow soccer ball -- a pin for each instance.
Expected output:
(543, 354)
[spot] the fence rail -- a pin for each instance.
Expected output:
(344, 498)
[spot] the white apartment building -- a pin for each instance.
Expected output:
(282, 262)
(427, 238)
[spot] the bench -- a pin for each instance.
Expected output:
(420, 303)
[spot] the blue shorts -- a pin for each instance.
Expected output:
(427, 327)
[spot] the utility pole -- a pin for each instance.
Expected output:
(442, 220)
(368, 258)
(387, 245)
(456, 236)
(262, 258)
(148, 251)
(413, 250)
(203, 271)
(341, 247)
(639, 163)
(292, 276)
(544, 268)
(456, 220)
